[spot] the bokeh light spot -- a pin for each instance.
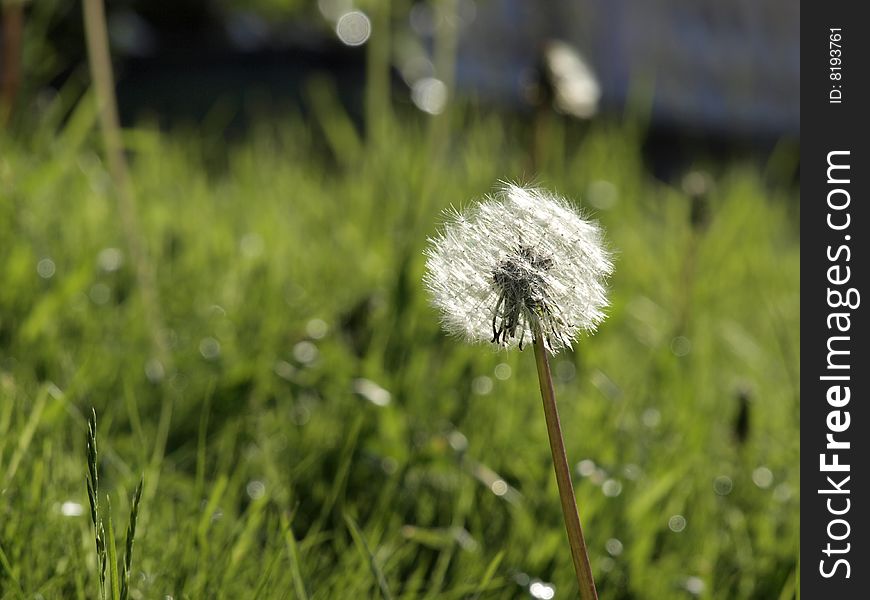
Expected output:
(602, 194)
(209, 348)
(613, 547)
(499, 487)
(651, 417)
(110, 259)
(255, 489)
(541, 590)
(305, 352)
(45, 268)
(681, 346)
(695, 586)
(353, 28)
(565, 371)
(762, 477)
(502, 371)
(316, 328)
(722, 485)
(586, 467)
(611, 488)
(71, 509)
(677, 523)
(371, 391)
(482, 385)
(429, 95)
(154, 371)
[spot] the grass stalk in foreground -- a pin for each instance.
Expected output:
(104, 533)
(579, 553)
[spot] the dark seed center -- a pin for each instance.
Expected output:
(519, 280)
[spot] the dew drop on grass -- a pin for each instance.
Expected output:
(586, 467)
(457, 441)
(255, 489)
(762, 477)
(541, 590)
(681, 346)
(565, 371)
(110, 259)
(782, 492)
(429, 95)
(499, 487)
(613, 547)
(482, 385)
(695, 586)
(651, 417)
(502, 371)
(45, 268)
(305, 352)
(722, 485)
(316, 329)
(677, 523)
(353, 28)
(154, 371)
(611, 488)
(71, 509)
(209, 348)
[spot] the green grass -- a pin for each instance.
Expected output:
(288, 268)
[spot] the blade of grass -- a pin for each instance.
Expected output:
(112, 554)
(366, 553)
(340, 480)
(131, 536)
(4, 562)
(253, 518)
(488, 574)
(293, 553)
(27, 434)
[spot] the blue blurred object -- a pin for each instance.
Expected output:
(729, 68)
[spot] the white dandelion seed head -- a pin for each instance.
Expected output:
(519, 258)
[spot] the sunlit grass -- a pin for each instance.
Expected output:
(288, 268)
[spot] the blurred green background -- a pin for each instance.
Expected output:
(305, 388)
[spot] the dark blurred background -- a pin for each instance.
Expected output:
(706, 76)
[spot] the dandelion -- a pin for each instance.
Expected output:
(514, 261)
(523, 266)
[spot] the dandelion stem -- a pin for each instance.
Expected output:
(563, 475)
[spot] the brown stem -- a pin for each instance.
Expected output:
(97, 38)
(579, 553)
(11, 41)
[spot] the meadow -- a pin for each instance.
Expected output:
(308, 431)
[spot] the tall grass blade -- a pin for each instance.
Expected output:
(367, 554)
(131, 535)
(293, 553)
(112, 555)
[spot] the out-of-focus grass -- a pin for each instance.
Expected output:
(289, 276)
